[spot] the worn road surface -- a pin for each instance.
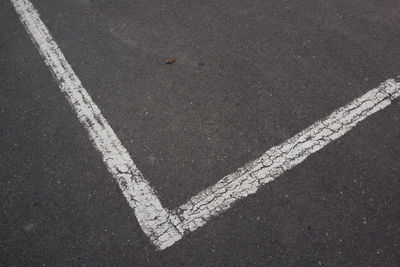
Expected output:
(247, 76)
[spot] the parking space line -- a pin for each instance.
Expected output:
(165, 227)
(152, 217)
(283, 157)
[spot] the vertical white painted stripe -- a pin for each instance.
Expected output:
(155, 221)
(164, 227)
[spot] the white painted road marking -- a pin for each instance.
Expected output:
(165, 227)
(155, 221)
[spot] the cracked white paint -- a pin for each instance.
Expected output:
(165, 227)
(283, 157)
(155, 221)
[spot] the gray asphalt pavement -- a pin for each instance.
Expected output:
(248, 75)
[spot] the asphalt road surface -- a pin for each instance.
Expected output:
(247, 76)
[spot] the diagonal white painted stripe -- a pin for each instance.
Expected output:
(283, 157)
(153, 218)
(165, 227)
